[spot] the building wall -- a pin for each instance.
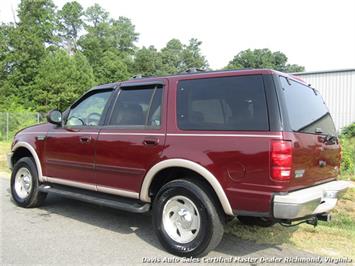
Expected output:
(338, 91)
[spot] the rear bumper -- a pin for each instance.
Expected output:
(309, 201)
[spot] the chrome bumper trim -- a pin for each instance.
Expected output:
(314, 200)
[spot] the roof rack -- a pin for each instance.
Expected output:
(194, 70)
(138, 76)
(190, 71)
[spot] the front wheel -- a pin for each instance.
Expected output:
(185, 219)
(24, 184)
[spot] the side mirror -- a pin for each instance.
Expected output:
(55, 117)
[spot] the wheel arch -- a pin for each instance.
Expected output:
(20, 147)
(190, 165)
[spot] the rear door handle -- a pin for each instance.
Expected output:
(151, 141)
(85, 139)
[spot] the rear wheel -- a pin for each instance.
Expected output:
(24, 184)
(185, 219)
(257, 221)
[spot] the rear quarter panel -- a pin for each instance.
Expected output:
(238, 159)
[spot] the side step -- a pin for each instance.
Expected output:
(98, 198)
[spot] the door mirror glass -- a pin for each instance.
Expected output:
(54, 117)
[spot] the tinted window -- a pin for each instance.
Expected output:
(88, 111)
(306, 108)
(228, 103)
(139, 106)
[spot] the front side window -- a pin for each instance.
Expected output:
(138, 107)
(88, 112)
(307, 111)
(226, 103)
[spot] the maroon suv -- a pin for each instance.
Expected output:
(195, 148)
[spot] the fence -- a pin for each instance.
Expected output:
(11, 122)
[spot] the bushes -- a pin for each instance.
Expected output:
(347, 140)
(349, 131)
(11, 122)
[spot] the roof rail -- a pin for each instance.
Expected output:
(138, 76)
(194, 70)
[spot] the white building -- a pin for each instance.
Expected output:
(338, 90)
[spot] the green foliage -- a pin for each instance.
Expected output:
(263, 58)
(347, 140)
(15, 118)
(96, 15)
(70, 23)
(50, 56)
(349, 131)
(175, 57)
(110, 68)
(17, 121)
(61, 79)
(38, 17)
(25, 48)
(108, 44)
(148, 62)
(191, 56)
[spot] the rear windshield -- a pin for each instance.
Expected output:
(307, 111)
(227, 103)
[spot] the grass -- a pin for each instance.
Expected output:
(4, 150)
(336, 238)
(348, 177)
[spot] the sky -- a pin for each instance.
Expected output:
(318, 34)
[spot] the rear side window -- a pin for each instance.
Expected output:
(138, 107)
(306, 109)
(227, 103)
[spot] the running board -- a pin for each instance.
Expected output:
(98, 198)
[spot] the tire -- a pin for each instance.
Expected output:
(256, 221)
(185, 219)
(24, 184)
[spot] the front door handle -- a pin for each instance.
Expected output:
(151, 141)
(85, 139)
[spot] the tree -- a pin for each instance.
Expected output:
(5, 51)
(192, 57)
(148, 62)
(124, 35)
(172, 56)
(62, 78)
(263, 58)
(39, 18)
(106, 36)
(26, 43)
(111, 68)
(177, 57)
(70, 23)
(95, 15)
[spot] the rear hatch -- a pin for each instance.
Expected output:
(309, 125)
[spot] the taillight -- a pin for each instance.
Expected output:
(281, 160)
